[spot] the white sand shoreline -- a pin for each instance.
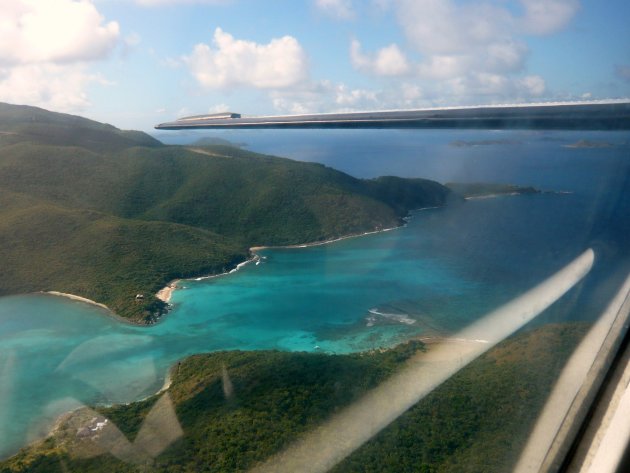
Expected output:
(106, 310)
(253, 249)
(165, 294)
(74, 297)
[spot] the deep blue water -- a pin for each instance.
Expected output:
(446, 268)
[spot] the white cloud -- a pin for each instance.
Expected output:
(55, 87)
(323, 96)
(479, 32)
(532, 86)
(171, 63)
(132, 40)
(294, 106)
(544, 17)
(458, 43)
(506, 55)
(36, 31)
(339, 9)
(219, 108)
(444, 66)
(309, 98)
(354, 98)
(444, 27)
(44, 49)
(469, 51)
(483, 87)
(411, 93)
(233, 62)
(381, 5)
(456, 52)
(388, 61)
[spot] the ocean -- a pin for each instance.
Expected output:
(446, 268)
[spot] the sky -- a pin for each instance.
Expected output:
(136, 63)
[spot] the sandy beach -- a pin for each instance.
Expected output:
(166, 292)
(77, 298)
(254, 249)
(108, 312)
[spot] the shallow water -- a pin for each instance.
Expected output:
(446, 268)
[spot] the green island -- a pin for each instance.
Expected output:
(478, 420)
(473, 190)
(113, 216)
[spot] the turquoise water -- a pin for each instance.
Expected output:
(446, 268)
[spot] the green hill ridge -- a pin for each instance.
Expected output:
(23, 123)
(88, 209)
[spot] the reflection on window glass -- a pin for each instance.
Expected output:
(272, 277)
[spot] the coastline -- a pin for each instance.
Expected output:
(106, 310)
(64, 417)
(165, 294)
(74, 297)
(254, 249)
(405, 219)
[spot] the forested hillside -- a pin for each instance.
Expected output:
(106, 214)
(478, 420)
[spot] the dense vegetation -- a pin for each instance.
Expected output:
(476, 421)
(106, 214)
(480, 419)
